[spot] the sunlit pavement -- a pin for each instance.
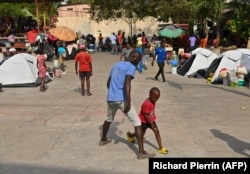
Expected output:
(57, 131)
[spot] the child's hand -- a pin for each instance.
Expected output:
(127, 107)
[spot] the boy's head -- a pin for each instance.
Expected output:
(134, 57)
(154, 94)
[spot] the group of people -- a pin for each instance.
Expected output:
(119, 91)
(83, 66)
(119, 97)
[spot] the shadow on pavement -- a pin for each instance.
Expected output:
(116, 135)
(7, 168)
(234, 143)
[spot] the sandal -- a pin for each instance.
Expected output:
(89, 94)
(131, 139)
(163, 150)
(102, 143)
(83, 94)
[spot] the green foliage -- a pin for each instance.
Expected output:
(178, 10)
(27, 9)
(14, 9)
(240, 22)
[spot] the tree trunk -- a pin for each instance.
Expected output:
(217, 34)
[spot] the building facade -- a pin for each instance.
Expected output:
(77, 17)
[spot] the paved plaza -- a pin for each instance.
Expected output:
(57, 131)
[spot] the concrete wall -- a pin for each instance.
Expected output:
(85, 26)
(77, 18)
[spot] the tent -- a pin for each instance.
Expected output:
(199, 60)
(231, 60)
(20, 70)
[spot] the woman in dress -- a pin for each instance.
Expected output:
(42, 68)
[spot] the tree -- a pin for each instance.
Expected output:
(179, 10)
(204, 10)
(239, 24)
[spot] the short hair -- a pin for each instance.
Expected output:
(134, 52)
(154, 89)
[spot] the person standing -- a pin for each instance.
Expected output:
(144, 40)
(139, 40)
(192, 43)
(119, 41)
(146, 55)
(83, 68)
(126, 52)
(42, 68)
(62, 55)
(140, 65)
(147, 116)
(113, 43)
(100, 42)
(119, 97)
(161, 54)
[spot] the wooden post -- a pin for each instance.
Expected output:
(44, 16)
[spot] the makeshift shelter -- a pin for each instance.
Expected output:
(199, 60)
(230, 60)
(20, 70)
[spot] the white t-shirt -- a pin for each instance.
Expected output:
(113, 39)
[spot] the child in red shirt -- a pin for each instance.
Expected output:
(83, 67)
(148, 117)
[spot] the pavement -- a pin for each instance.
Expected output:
(58, 131)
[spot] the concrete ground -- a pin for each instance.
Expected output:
(58, 131)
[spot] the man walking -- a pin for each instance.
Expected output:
(119, 87)
(161, 54)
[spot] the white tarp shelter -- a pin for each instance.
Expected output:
(231, 60)
(200, 59)
(19, 70)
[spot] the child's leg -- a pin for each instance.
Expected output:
(43, 83)
(42, 87)
(88, 85)
(131, 136)
(82, 85)
(158, 139)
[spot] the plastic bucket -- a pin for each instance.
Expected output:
(241, 83)
(174, 70)
(56, 63)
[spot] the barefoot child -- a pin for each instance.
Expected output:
(148, 117)
(42, 68)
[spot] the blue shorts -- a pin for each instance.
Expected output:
(83, 74)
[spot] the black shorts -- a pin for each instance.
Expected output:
(83, 74)
(145, 126)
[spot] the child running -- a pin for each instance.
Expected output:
(148, 117)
